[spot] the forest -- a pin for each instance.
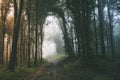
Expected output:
(60, 40)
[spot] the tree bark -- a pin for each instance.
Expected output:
(36, 35)
(101, 25)
(17, 16)
(29, 19)
(96, 36)
(111, 30)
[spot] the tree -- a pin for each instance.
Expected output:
(17, 18)
(96, 36)
(3, 16)
(36, 35)
(111, 30)
(101, 25)
(29, 19)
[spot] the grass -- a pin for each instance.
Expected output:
(59, 56)
(95, 69)
(19, 74)
(75, 69)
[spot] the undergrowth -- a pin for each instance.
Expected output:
(19, 74)
(93, 68)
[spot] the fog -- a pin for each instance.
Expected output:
(53, 43)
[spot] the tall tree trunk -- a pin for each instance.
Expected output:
(17, 15)
(96, 39)
(28, 11)
(7, 49)
(41, 42)
(101, 25)
(85, 29)
(3, 14)
(36, 34)
(68, 46)
(36, 46)
(111, 30)
(21, 46)
(41, 56)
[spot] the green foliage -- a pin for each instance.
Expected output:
(95, 69)
(72, 63)
(101, 77)
(59, 56)
(105, 65)
(19, 74)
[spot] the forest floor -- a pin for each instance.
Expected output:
(51, 70)
(95, 68)
(101, 69)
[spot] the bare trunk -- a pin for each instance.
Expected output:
(96, 39)
(111, 31)
(17, 15)
(101, 25)
(29, 44)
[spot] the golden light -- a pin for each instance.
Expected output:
(0, 1)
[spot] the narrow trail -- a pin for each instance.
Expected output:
(54, 70)
(48, 71)
(37, 73)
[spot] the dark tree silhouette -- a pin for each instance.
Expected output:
(17, 18)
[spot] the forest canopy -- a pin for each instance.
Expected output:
(90, 28)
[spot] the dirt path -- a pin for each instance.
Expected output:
(48, 71)
(37, 73)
